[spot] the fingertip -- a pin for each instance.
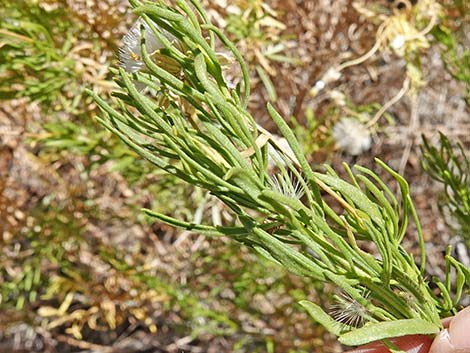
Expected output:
(459, 330)
(441, 343)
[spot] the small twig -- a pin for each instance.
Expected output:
(386, 106)
(86, 345)
(427, 29)
(367, 55)
(16, 35)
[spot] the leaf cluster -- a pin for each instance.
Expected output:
(450, 165)
(33, 63)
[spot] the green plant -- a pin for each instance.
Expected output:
(199, 130)
(450, 165)
(451, 34)
(23, 275)
(41, 56)
(456, 59)
(33, 64)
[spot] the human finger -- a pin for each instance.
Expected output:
(455, 338)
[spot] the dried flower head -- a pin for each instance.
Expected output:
(351, 136)
(403, 36)
(130, 53)
(288, 186)
(348, 311)
(274, 157)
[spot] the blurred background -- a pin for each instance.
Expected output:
(83, 270)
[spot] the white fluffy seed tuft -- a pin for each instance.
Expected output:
(351, 136)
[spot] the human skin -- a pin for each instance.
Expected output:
(454, 338)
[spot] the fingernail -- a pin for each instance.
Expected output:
(459, 330)
(441, 343)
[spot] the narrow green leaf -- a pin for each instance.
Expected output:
(319, 315)
(388, 329)
(356, 195)
(290, 258)
(268, 84)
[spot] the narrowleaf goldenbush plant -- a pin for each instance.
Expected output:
(450, 166)
(451, 34)
(48, 52)
(43, 59)
(178, 111)
(32, 64)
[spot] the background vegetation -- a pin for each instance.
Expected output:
(82, 269)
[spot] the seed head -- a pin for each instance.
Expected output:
(287, 185)
(352, 136)
(348, 311)
(130, 53)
